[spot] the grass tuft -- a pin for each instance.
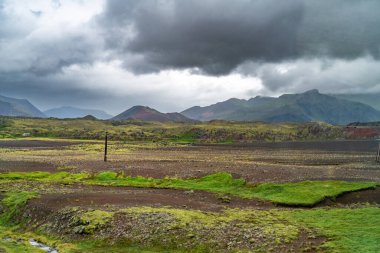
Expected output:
(347, 230)
(306, 193)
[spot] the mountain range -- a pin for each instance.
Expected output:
(74, 112)
(369, 99)
(18, 107)
(304, 107)
(149, 114)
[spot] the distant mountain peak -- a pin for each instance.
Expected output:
(313, 91)
(18, 107)
(308, 106)
(89, 117)
(140, 112)
(142, 107)
(75, 112)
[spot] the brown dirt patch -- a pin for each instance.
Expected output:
(304, 243)
(371, 196)
(257, 162)
(124, 197)
(341, 145)
(25, 166)
(362, 132)
(35, 144)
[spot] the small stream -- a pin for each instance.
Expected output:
(42, 246)
(35, 244)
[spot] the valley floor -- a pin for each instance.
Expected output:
(160, 197)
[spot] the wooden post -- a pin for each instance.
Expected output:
(105, 147)
(378, 154)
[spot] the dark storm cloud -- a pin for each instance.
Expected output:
(52, 55)
(214, 36)
(51, 92)
(217, 36)
(48, 48)
(35, 41)
(47, 92)
(332, 76)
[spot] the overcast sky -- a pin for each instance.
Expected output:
(173, 54)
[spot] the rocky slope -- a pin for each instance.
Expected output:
(304, 107)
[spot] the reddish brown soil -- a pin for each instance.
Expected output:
(123, 197)
(25, 166)
(304, 243)
(362, 132)
(341, 145)
(255, 171)
(258, 162)
(35, 144)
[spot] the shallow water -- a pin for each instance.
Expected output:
(42, 246)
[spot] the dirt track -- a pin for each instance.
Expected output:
(123, 197)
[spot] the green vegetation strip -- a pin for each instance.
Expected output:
(345, 230)
(307, 193)
(203, 132)
(348, 230)
(12, 203)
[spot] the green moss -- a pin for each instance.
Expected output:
(14, 246)
(101, 246)
(306, 193)
(60, 177)
(346, 230)
(92, 220)
(10, 240)
(196, 226)
(106, 176)
(13, 201)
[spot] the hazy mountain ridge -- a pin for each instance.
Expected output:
(368, 99)
(75, 112)
(18, 107)
(149, 114)
(303, 107)
(307, 106)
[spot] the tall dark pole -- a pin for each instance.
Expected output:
(105, 147)
(378, 154)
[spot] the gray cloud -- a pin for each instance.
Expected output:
(290, 45)
(217, 36)
(47, 92)
(214, 36)
(29, 47)
(328, 75)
